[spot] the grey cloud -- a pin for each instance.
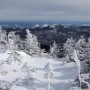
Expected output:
(44, 9)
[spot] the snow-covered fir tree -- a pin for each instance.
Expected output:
(29, 73)
(13, 41)
(89, 42)
(88, 48)
(69, 47)
(81, 46)
(32, 45)
(83, 54)
(3, 39)
(83, 76)
(49, 74)
(14, 57)
(5, 85)
(54, 50)
(81, 42)
(78, 66)
(13, 47)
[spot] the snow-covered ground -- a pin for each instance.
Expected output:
(64, 73)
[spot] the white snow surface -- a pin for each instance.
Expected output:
(64, 73)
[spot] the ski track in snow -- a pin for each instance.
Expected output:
(64, 73)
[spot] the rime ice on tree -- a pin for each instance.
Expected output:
(69, 47)
(49, 74)
(13, 41)
(14, 57)
(32, 45)
(83, 48)
(13, 46)
(54, 50)
(78, 65)
(3, 39)
(82, 77)
(29, 70)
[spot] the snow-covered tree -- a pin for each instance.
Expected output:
(32, 45)
(22, 45)
(78, 65)
(54, 50)
(13, 41)
(89, 42)
(14, 57)
(5, 85)
(49, 74)
(83, 52)
(29, 72)
(83, 48)
(88, 48)
(81, 43)
(83, 77)
(69, 47)
(3, 39)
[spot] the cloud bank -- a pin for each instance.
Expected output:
(55, 10)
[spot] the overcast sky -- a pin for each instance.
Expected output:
(55, 10)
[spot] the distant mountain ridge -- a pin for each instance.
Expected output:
(47, 34)
(30, 24)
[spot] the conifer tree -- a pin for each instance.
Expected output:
(3, 39)
(54, 50)
(49, 74)
(81, 46)
(69, 47)
(29, 71)
(13, 41)
(32, 45)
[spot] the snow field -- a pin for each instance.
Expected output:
(64, 73)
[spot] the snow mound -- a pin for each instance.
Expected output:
(13, 74)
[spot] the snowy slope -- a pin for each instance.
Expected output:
(64, 73)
